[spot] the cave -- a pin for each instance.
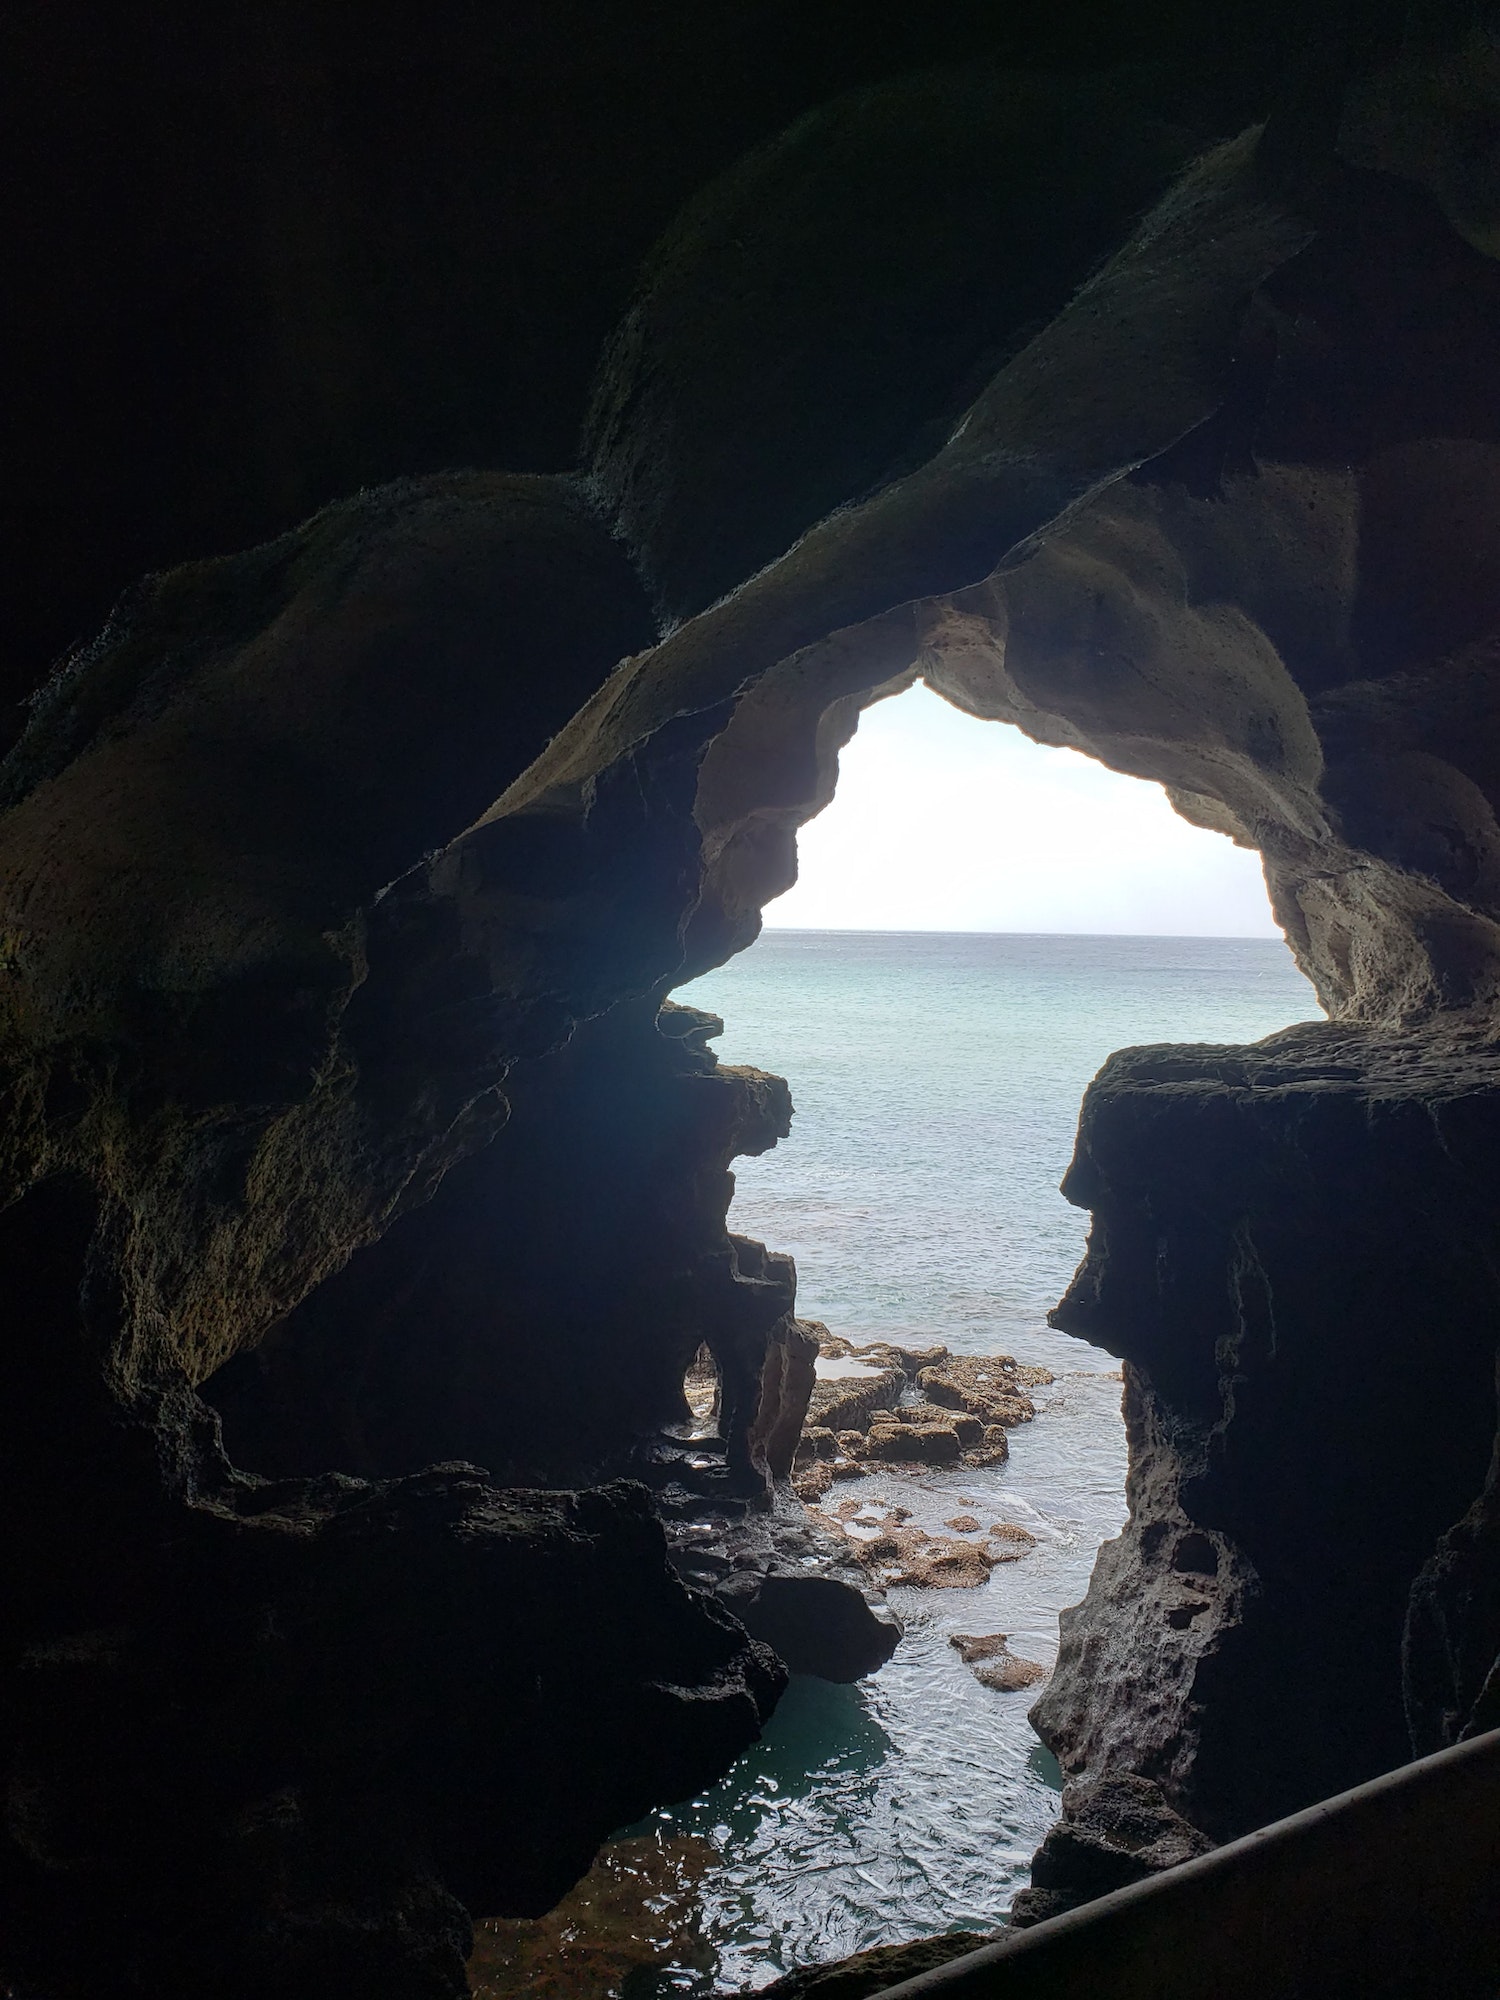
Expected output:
(472, 479)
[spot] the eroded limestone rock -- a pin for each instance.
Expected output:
(243, 1747)
(995, 1665)
(1113, 1832)
(863, 1410)
(1280, 1234)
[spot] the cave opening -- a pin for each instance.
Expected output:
(701, 1384)
(366, 1200)
(978, 922)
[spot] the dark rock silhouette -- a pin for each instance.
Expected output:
(342, 883)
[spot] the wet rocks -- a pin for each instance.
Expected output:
(268, 1778)
(1113, 1832)
(995, 1665)
(892, 1405)
(638, 1907)
(848, 1402)
(1011, 1535)
(899, 1443)
(817, 1622)
(991, 1387)
(787, 1576)
(882, 1539)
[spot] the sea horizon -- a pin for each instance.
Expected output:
(927, 930)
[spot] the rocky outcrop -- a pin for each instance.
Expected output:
(539, 1313)
(891, 1405)
(1293, 1250)
(786, 1575)
(1112, 1832)
(991, 1387)
(995, 1665)
(231, 1778)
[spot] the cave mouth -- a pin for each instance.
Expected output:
(937, 1068)
(701, 1385)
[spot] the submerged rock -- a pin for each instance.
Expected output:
(900, 1555)
(638, 1907)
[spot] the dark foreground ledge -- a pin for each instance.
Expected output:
(1392, 1888)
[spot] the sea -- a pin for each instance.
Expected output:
(936, 1080)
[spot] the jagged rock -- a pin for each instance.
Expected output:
(989, 1387)
(994, 1664)
(613, 1256)
(241, 1769)
(874, 1423)
(1112, 1832)
(1280, 1233)
(328, 860)
(911, 1558)
(849, 1402)
(790, 1580)
(817, 1441)
(814, 1480)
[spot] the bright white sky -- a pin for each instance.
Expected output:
(942, 823)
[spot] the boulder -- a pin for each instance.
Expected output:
(995, 1665)
(1113, 1832)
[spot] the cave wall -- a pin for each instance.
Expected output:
(341, 881)
(537, 1315)
(1293, 1252)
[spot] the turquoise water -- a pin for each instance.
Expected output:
(937, 1080)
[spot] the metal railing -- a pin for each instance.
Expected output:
(1391, 1889)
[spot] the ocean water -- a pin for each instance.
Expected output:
(936, 1080)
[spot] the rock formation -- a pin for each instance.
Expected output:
(1112, 1832)
(342, 883)
(1297, 1286)
(882, 1404)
